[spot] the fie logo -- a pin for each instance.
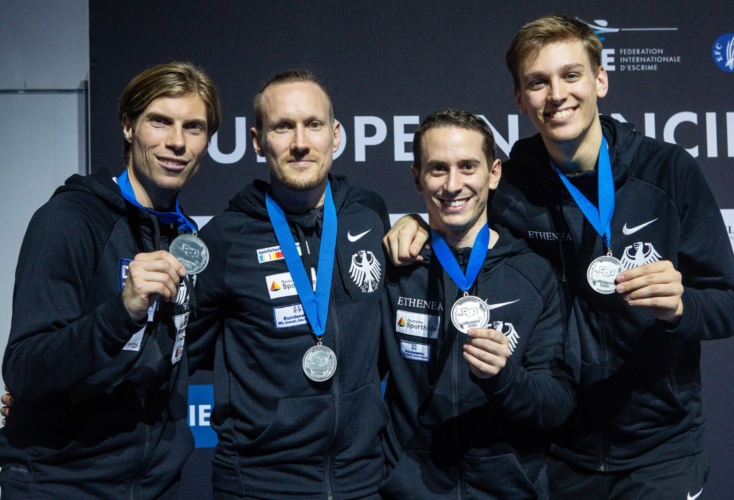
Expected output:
(723, 52)
(201, 403)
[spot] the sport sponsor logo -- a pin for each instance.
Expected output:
(282, 285)
(415, 351)
(549, 236)
(289, 316)
(417, 324)
(723, 52)
(273, 253)
(432, 305)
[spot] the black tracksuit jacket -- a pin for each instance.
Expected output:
(459, 436)
(640, 397)
(99, 411)
(282, 435)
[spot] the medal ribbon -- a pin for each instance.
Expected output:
(315, 304)
(449, 263)
(183, 223)
(600, 218)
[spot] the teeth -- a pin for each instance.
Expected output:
(562, 114)
(173, 163)
(454, 203)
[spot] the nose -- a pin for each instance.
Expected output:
(557, 92)
(453, 181)
(300, 141)
(176, 140)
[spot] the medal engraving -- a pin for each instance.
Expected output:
(319, 363)
(191, 252)
(469, 312)
(602, 272)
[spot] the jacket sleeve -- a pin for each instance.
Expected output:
(54, 342)
(537, 391)
(210, 301)
(705, 257)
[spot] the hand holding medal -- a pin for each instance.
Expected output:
(486, 352)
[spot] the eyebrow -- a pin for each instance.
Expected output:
(568, 68)
(460, 162)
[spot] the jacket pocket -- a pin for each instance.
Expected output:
(358, 451)
(500, 477)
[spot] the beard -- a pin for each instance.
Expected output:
(295, 182)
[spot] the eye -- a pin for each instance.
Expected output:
(196, 128)
(573, 76)
(282, 127)
(315, 125)
(469, 167)
(536, 84)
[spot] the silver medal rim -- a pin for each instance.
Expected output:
(198, 241)
(474, 299)
(331, 355)
(610, 258)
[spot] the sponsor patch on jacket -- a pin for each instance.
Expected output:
(282, 285)
(180, 321)
(289, 316)
(273, 253)
(418, 324)
(137, 339)
(415, 351)
(122, 269)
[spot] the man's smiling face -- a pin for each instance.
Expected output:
(559, 91)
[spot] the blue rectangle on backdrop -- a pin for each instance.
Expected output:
(201, 404)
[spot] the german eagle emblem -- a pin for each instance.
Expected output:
(365, 271)
(639, 254)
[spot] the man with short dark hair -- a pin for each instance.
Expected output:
(96, 360)
(474, 335)
(632, 227)
(291, 296)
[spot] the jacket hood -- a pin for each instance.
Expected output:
(251, 200)
(100, 184)
(531, 155)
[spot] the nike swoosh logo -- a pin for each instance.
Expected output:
(694, 496)
(356, 237)
(631, 230)
(495, 306)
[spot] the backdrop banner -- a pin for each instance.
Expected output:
(389, 64)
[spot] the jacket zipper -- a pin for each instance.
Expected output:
(458, 469)
(335, 391)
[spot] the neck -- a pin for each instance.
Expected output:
(579, 155)
(462, 239)
(150, 196)
(298, 201)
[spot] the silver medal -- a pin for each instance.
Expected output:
(602, 272)
(469, 312)
(191, 252)
(319, 363)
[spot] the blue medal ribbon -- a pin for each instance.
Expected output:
(600, 218)
(315, 304)
(449, 263)
(183, 222)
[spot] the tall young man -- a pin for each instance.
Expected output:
(646, 260)
(96, 359)
(292, 297)
(474, 335)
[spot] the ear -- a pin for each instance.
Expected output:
(256, 145)
(494, 174)
(518, 100)
(602, 82)
(127, 128)
(416, 177)
(337, 136)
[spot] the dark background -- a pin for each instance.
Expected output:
(387, 59)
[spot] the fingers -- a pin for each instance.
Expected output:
(486, 352)
(6, 400)
(657, 285)
(405, 240)
(150, 276)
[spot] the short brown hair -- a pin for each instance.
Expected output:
(290, 76)
(173, 79)
(551, 29)
(451, 117)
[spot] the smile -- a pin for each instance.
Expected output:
(455, 203)
(172, 163)
(564, 113)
